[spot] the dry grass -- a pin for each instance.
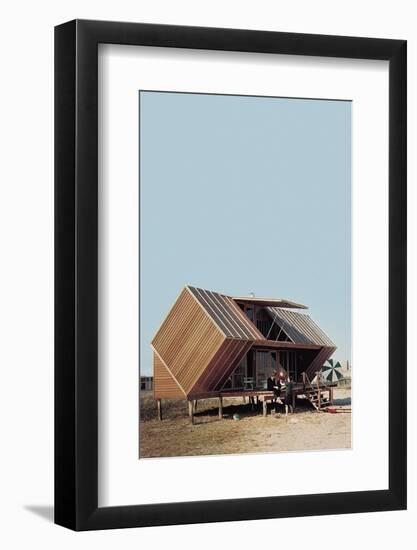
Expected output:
(176, 436)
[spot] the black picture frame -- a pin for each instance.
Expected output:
(76, 272)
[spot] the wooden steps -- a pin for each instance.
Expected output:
(312, 396)
(316, 393)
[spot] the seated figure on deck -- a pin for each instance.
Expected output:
(273, 384)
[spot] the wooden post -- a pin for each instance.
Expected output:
(331, 396)
(195, 405)
(264, 406)
(293, 399)
(220, 407)
(318, 391)
(159, 405)
(191, 411)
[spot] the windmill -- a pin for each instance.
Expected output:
(330, 372)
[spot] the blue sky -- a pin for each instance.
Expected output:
(245, 194)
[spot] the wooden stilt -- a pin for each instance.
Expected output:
(265, 407)
(191, 411)
(331, 396)
(318, 391)
(195, 405)
(159, 405)
(220, 407)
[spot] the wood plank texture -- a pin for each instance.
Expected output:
(187, 340)
(224, 362)
(324, 354)
(165, 387)
(299, 327)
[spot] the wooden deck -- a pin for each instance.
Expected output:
(260, 394)
(298, 389)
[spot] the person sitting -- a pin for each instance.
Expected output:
(273, 384)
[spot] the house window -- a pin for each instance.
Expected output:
(265, 366)
(249, 313)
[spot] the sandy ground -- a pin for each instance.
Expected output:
(306, 429)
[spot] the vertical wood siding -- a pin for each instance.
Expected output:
(164, 385)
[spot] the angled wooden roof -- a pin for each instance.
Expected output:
(299, 327)
(277, 302)
(226, 314)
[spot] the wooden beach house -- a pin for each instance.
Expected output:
(214, 345)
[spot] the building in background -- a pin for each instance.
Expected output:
(146, 383)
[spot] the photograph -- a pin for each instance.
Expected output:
(208, 235)
(245, 274)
